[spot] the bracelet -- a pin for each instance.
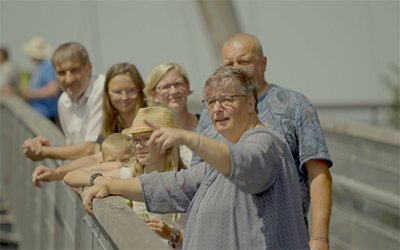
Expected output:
(197, 143)
(324, 239)
(93, 177)
(175, 236)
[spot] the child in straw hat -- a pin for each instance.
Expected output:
(145, 159)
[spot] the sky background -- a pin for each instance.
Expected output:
(331, 51)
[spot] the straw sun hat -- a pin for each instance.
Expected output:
(159, 116)
(37, 48)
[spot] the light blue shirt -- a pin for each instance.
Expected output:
(257, 207)
(41, 78)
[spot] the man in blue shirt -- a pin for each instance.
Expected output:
(43, 91)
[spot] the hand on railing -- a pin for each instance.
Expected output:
(44, 174)
(33, 147)
(97, 191)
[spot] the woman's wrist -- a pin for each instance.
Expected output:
(320, 238)
(94, 177)
(196, 143)
(99, 180)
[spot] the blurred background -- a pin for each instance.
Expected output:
(343, 55)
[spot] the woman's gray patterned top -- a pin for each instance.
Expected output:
(257, 207)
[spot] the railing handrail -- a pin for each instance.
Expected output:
(358, 188)
(362, 131)
(353, 105)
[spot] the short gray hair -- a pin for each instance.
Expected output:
(70, 51)
(226, 76)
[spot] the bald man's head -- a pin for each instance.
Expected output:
(246, 50)
(250, 42)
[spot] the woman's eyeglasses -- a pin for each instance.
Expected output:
(130, 93)
(178, 85)
(142, 141)
(225, 101)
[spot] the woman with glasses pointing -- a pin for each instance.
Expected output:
(245, 195)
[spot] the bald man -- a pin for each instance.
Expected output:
(294, 117)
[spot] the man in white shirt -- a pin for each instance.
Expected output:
(79, 106)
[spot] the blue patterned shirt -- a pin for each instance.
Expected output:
(292, 115)
(257, 207)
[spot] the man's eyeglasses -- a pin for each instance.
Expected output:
(130, 93)
(179, 85)
(142, 141)
(225, 101)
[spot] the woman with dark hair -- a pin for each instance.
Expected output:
(122, 98)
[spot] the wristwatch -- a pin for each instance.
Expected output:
(93, 177)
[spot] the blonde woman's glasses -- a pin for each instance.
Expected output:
(178, 85)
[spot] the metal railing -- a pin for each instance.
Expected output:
(366, 179)
(366, 209)
(376, 114)
(53, 217)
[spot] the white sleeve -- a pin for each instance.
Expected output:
(62, 113)
(95, 112)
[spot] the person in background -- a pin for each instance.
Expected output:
(146, 159)
(122, 97)
(79, 106)
(43, 91)
(245, 195)
(9, 74)
(293, 116)
(168, 85)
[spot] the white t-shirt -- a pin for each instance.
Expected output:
(82, 121)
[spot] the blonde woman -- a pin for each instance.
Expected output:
(146, 159)
(168, 85)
